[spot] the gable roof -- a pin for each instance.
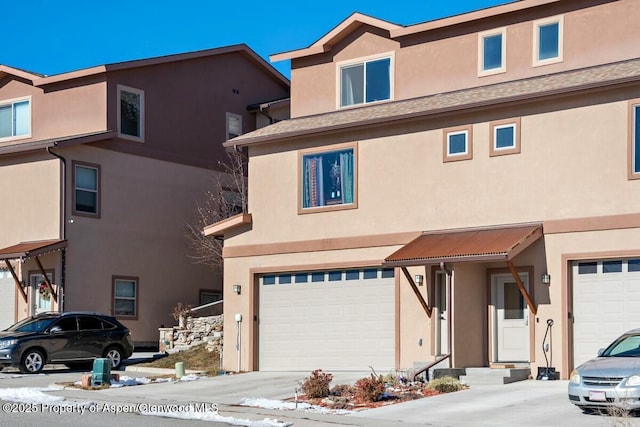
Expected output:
(353, 22)
(558, 84)
(41, 80)
(342, 30)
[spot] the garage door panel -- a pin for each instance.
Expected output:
(333, 325)
(605, 305)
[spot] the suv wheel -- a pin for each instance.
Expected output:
(32, 362)
(114, 354)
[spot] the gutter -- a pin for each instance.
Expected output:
(63, 222)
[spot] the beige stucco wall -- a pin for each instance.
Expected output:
(447, 60)
(145, 206)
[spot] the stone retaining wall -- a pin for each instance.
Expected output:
(197, 330)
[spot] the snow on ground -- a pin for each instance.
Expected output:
(29, 395)
(300, 406)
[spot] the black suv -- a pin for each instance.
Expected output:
(72, 338)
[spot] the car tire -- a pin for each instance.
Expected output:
(32, 362)
(114, 354)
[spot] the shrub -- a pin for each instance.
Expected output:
(317, 384)
(341, 390)
(370, 389)
(445, 385)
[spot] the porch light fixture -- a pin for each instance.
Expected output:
(237, 289)
(419, 278)
(545, 278)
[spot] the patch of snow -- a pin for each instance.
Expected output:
(301, 406)
(29, 395)
(190, 377)
(126, 381)
(216, 417)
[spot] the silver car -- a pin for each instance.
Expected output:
(612, 378)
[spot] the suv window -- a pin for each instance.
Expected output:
(67, 324)
(88, 323)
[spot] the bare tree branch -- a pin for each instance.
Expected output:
(227, 197)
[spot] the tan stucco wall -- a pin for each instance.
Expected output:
(145, 206)
(447, 60)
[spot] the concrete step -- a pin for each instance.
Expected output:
(487, 376)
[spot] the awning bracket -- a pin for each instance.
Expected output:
(424, 304)
(16, 280)
(523, 290)
(46, 280)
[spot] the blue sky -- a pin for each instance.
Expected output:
(52, 37)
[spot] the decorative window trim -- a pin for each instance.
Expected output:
(536, 40)
(493, 151)
(329, 148)
(12, 101)
(139, 92)
(633, 167)
(481, 36)
(75, 163)
(136, 299)
(468, 155)
(362, 60)
(232, 116)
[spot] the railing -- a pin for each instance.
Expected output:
(430, 365)
(211, 305)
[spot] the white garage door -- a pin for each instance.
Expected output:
(606, 303)
(330, 320)
(7, 299)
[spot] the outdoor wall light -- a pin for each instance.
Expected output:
(545, 278)
(237, 289)
(419, 279)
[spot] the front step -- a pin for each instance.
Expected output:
(487, 376)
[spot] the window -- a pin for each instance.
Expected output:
(547, 41)
(364, 82)
(587, 268)
(234, 125)
(505, 137)
(302, 277)
(15, 118)
(634, 140)
(125, 296)
(89, 323)
(284, 279)
(86, 184)
(207, 297)
(457, 144)
(492, 46)
(612, 266)
(328, 179)
(130, 113)
(633, 265)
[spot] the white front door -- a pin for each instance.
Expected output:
(442, 342)
(41, 296)
(511, 319)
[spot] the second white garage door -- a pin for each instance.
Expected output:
(330, 320)
(606, 303)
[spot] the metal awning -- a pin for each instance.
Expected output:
(501, 243)
(31, 250)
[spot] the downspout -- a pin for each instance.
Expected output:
(63, 224)
(449, 312)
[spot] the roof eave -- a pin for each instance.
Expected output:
(219, 228)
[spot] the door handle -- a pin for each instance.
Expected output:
(526, 320)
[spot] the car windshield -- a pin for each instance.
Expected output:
(625, 346)
(32, 324)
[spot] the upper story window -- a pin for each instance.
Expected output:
(634, 140)
(86, 184)
(328, 179)
(505, 137)
(365, 81)
(234, 125)
(131, 113)
(457, 144)
(15, 118)
(492, 49)
(547, 40)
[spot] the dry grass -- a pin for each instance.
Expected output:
(196, 358)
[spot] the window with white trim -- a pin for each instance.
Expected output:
(634, 141)
(234, 125)
(505, 137)
(547, 40)
(130, 113)
(457, 144)
(15, 118)
(366, 81)
(328, 178)
(86, 184)
(492, 49)
(125, 294)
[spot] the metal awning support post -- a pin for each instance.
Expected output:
(523, 290)
(16, 280)
(423, 303)
(46, 280)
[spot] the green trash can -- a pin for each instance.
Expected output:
(101, 372)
